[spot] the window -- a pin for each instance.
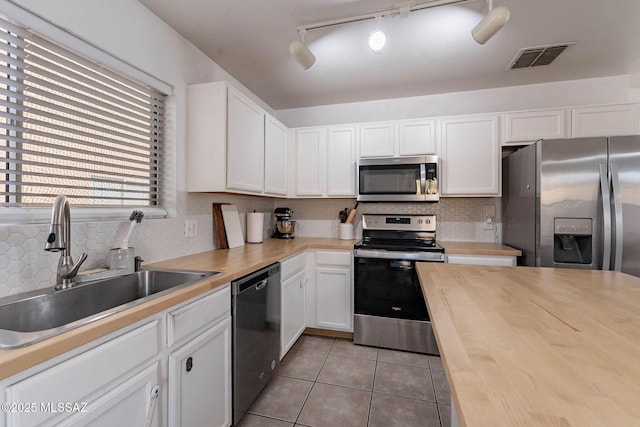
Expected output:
(70, 126)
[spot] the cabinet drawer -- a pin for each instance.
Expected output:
(497, 260)
(334, 258)
(291, 266)
(88, 374)
(192, 317)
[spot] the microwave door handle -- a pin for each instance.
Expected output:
(606, 216)
(423, 179)
(617, 206)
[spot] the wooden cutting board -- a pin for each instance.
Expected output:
(218, 225)
(232, 225)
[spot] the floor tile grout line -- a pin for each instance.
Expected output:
(314, 383)
(373, 386)
(405, 396)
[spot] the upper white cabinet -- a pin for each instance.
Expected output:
(416, 137)
(377, 139)
(232, 144)
(275, 157)
(609, 120)
(325, 161)
(530, 126)
(401, 138)
(310, 161)
(470, 156)
(341, 161)
(245, 144)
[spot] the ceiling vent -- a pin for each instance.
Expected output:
(537, 56)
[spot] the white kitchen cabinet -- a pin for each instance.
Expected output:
(530, 126)
(293, 276)
(416, 137)
(496, 260)
(377, 139)
(200, 379)
(293, 319)
(470, 156)
(275, 157)
(341, 161)
(245, 144)
(334, 290)
(101, 377)
(608, 120)
(310, 161)
(325, 162)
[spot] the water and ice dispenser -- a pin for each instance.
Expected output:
(572, 240)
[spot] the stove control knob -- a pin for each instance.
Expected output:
(419, 220)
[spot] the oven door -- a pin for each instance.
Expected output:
(388, 287)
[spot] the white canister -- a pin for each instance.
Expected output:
(346, 231)
(255, 227)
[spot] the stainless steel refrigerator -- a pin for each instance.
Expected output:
(574, 203)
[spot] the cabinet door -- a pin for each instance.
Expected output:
(275, 157)
(132, 403)
(293, 311)
(416, 137)
(470, 156)
(609, 120)
(245, 144)
(310, 161)
(200, 380)
(377, 140)
(334, 308)
(530, 126)
(341, 161)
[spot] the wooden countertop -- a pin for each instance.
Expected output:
(526, 346)
(232, 263)
(478, 248)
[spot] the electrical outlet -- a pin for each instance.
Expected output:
(488, 223)
(190, 228)
(488, 210)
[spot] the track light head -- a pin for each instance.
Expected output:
(377, 40)
(490, 24)
(302, 54)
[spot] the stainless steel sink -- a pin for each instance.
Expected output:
(31, 317)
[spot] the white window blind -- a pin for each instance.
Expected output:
(70, 126)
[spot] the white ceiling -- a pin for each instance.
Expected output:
(430, 51)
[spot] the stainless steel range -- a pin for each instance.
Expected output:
(390, 310)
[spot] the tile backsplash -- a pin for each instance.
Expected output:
(25, 266)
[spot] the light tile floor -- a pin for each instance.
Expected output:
(332, 382)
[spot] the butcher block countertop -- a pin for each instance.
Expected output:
(526, 346)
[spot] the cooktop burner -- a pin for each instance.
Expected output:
(399, 233)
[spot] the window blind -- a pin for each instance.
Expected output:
(71, 126)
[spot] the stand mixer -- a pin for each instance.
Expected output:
(284, 226)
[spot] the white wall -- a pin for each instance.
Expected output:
(606, 90)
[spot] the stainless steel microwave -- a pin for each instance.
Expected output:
(398, 179)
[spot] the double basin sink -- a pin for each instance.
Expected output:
(34, 316)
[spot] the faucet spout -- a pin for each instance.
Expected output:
(59, 240)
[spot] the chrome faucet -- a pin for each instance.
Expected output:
(59, 240)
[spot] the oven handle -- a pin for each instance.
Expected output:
(423, 178)
(411, 256)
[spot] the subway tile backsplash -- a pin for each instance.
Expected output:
(25, 266)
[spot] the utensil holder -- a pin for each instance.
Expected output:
(122, 259)
(345, 231)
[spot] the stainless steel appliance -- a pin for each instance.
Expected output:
(256, 335)
(284, 227)
(575, 203)
(398, 179)
(390, 310)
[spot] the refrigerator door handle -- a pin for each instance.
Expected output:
(617, 206)
(606, 215)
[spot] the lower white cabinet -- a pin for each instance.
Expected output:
(497, 260)
(293, 319)
(332, 293)
(200, 380)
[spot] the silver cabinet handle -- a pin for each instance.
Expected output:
(617, 207)
(262, 284)
(606, 215)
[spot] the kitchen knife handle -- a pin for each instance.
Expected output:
(617, 206)
(606, 215)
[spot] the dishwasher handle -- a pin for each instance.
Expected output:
(262, 284)
(257, 280)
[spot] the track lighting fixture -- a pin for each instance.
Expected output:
(301, 52)
(490, 24)
(487, 28)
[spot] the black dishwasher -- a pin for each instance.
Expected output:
(256, 335)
